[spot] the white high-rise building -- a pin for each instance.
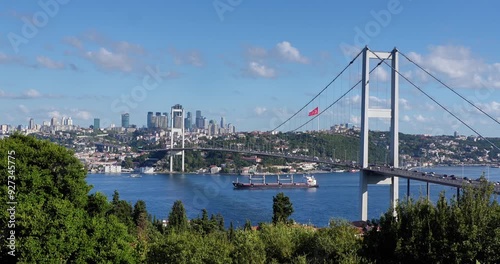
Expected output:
(70, 121)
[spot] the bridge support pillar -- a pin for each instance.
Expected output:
(367, 112)
(177, 130)
(363, 191)
(408, 188)
(394, 193)
(428, 191)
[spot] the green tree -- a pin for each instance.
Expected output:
(55, 219)
(282, 208)
(122, 210)
(177, 218)
(461, 231)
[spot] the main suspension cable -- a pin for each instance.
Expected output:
(336, 77)
(434, 100)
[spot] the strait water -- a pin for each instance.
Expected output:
(337, 196)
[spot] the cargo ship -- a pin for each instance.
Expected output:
(260, 183)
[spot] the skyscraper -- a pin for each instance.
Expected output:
(164, 120)
(125, 120)
(97, 123)
(53, 121)
(70, 121)
(31, 124)
(222, 122)
(188, 121)
(157, 120)
(150, 120)
(198, 122)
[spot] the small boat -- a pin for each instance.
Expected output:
(339, 171)
(135, 175)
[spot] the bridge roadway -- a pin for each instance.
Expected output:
(458, 182)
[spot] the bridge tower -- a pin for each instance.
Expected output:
(367, 113)
(176, 130)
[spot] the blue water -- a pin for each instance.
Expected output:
(337, 196)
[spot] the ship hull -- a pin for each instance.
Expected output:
(239, 185)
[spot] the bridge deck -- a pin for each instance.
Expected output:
(458, 182)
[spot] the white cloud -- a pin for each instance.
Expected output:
(289, 53)
(356, 99)
(55, 114)
(406, 118)
(110, 61)
(85, 115)
(259, 110)
(422, 119)
(127, 47)
(8, 59)
(355, 120)
(460, 67)
(31, 93)
(376, 102)
(23, 109)
(74, 42)
(405, 103)
(381, 74)
(191, 57)
(263, 62)
(256, 52)
(110, 55)
(256, 69)
(492, 108)
(48, 63)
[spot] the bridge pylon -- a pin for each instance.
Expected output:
(176, 130)
(367, 113)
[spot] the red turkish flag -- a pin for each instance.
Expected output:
(314, 112)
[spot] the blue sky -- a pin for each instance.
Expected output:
(253, 62)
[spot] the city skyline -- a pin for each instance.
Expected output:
(125, 122)
(223, 61)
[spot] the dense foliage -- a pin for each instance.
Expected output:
(463, 230)
(57, 220)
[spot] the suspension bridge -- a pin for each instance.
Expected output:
(374, 92)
